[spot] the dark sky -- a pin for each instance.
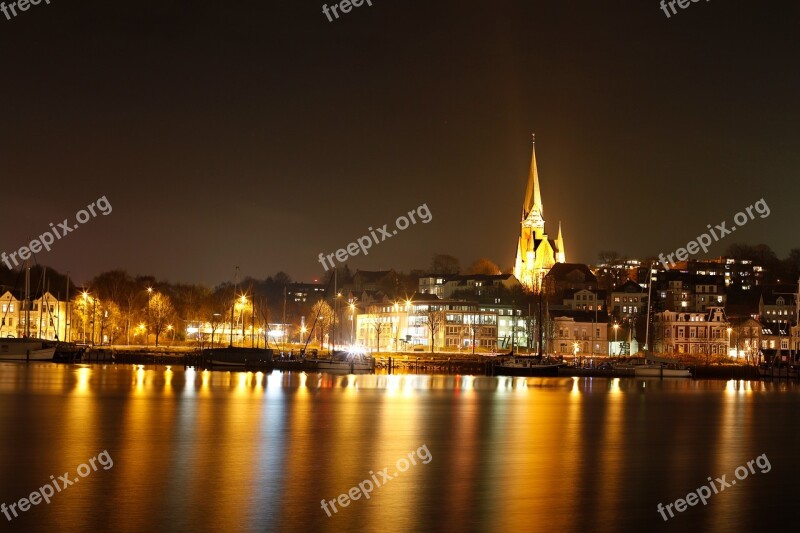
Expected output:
(256, 133)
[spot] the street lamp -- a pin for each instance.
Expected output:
(729, 341)
(170, 328)
(616, 327)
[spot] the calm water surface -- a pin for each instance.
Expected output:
(213, 451)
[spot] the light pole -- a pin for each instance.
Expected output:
(396, 325)
(214, 322)
(243, 302)
(408, 321)
(352, 323)
(729, 342)
(616, 327)
(85, 297)
(147, 330)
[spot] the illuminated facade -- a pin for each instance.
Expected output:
(706, 333)
(48, 317)
(536, 252)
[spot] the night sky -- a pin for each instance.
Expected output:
(257, 133)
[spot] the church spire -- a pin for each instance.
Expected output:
(561, 254)
(533, 197)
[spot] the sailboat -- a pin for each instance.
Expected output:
(27, 348)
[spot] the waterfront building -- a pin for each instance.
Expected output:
(536, 251)
(49, 318)
(746, 335)
(580, 333)
(403, 326)
(696, 333)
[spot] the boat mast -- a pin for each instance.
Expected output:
(649, 291)
(27, 301)
(797, 313)
(335, 298)
(285, 335)
(66, 311)
(233, 302)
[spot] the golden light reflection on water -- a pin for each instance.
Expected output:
(213, 450)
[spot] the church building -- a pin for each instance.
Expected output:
(536, 252)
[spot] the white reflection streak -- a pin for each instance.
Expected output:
(188, 389)
(83, 380)
(274, 384)
(140, 379)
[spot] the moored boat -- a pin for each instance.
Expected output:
(236, 357)
(655, 367)
(527, 367)
(26, 349)
(349, 363)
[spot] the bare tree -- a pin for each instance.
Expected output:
(376, 325)
(161, 313)
(323, 315)
(484, 266)
(434, 320)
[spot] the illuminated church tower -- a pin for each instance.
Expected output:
(536, 253)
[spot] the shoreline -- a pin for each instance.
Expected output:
(404, 363)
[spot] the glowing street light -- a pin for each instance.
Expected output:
(616, 327)
(729, 340)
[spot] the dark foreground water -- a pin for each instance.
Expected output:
(199, 452)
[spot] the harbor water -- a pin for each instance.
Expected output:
(196, 451)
